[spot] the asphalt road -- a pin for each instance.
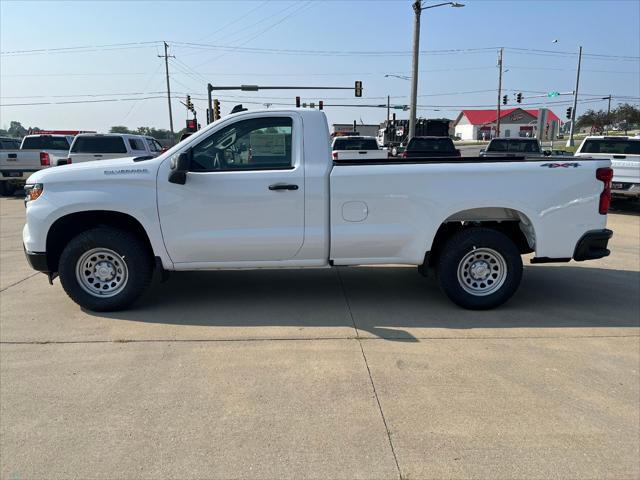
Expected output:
(350, 373)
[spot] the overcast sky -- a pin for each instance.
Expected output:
(304, 43)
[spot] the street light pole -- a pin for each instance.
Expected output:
(417, 9)
(570, 142)
(499, 93)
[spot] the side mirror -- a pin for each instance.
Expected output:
(179, 168)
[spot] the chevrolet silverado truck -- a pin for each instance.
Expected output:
(35, 153)
(260, 190)
(357, 148)
(624, 153)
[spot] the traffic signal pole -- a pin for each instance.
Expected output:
(254, 88)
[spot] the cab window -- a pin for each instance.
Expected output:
(255, 144)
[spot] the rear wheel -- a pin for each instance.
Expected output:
(479, 268)
(105, 269)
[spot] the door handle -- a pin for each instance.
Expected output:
(283, 186)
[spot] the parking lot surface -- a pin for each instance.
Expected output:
(343, 373)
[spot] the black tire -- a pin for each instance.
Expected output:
(132, 251)
(7, 189)
(495, 257)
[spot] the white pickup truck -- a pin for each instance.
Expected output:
(260, 190)
(35, 153)
(357, 148)
(624, 153)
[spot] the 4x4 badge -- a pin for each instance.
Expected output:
(561, 165)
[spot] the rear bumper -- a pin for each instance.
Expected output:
(627, 190)
(37, 260)
(593, 245)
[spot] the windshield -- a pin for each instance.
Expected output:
(516, 146)
(615, 146)
(100, 144)
(9, 144)
(355, 144)
(431, 145)
(45, 142)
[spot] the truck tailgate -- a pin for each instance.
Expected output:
(16, 163)
(363, 155)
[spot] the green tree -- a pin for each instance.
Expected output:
(626, 115)
(119, 129)
(16, 129)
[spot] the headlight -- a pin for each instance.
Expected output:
(33, 192)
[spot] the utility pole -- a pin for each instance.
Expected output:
(570, 142)
(499, 91)
(166, 68)
(608, 112)
(417, 9)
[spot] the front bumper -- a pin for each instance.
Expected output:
(37, 260)
(593, 245)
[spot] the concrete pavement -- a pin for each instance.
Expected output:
(350, 373)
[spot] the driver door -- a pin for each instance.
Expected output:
(243, 200)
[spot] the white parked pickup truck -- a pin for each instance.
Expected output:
(35, 153)
(260, 190)
(357, 148)
(624, 153)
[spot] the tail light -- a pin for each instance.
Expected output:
(334, 155)
(69, 161)
(44, 159)
(605, 175)
(404, 154)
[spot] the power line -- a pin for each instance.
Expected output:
(81, 49)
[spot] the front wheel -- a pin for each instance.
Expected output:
(105, 269)
(479, 268)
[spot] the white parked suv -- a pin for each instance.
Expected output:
(88, 147)
(260, 190)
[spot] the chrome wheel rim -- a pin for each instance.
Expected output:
(482, 272)
(102, 272)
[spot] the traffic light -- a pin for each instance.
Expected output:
(192, 125)
(519, 98)
(297, 102)
(358, 88)
(505, 98)
(216, 110)
(320, 104)
(189, 104)
(569, 111)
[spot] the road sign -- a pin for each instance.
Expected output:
(553, 94)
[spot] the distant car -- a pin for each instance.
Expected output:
(624, 153)
(425, 147)
(561, 153)
(512, 147)
(357, 148)
(88, 147)
(9, 143)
